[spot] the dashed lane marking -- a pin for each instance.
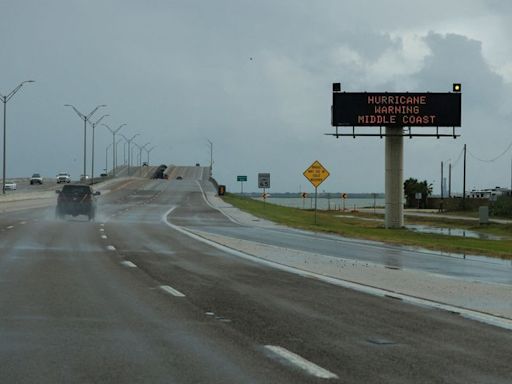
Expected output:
(300, 362)
(172, 291)
(10, 227)
(102, 230)
(23, 222)
(104, 236)
(128, 264)
(111, 248)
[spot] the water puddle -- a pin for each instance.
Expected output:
(452, 232)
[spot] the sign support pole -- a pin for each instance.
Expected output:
(394, 177)
(316, 189)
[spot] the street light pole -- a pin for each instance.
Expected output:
(106, 157)
(85, 118)
(141, 147)
(5, 99)
(129, 151)
(117, 147)
(211, 158)
(149, 150)
(114, 132)
(93, 125)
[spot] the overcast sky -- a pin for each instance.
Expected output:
(254, 77)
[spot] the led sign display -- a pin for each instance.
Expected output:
(396, 109)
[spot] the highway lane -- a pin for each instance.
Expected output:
(75, 311)
(471, 268)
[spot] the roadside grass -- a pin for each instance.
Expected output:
(358, 227)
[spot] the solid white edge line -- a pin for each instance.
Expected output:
(172, 291)
(466, 313)
(213, 207)
(128, 263)
(301, 362)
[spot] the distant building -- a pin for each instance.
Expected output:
(489, 193)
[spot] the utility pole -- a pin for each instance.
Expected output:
(464, 181)
(450, 180)
(442, 186)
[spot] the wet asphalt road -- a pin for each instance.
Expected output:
(73, 310)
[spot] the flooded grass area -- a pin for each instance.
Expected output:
(431, 233)
(449, 231)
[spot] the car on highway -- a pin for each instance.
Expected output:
(10, 186)
(76, 199)
(145, 164)
(84, 178)
(36, 179)
(159, 173)
(63, 177)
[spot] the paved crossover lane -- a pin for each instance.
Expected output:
(128, 299)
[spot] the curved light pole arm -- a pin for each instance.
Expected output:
(110, 129)
(121, 126)
(94, 110)
(81, 115)
(11, 94)
(98, 121)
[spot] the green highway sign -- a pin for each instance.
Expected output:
(241, 178)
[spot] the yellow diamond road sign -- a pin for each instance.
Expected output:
(316, 173)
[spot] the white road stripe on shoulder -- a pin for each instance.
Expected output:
(483, 317)
(129, 264)
(205, 198)
(111, 248)
(301, 362)
(172, 291)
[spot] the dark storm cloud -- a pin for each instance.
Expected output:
(254, 77)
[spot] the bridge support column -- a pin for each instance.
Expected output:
(394, 178)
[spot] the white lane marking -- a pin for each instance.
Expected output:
(102, 225)
(213, 207)
(111, 248)
(172, 291)
(10, 227)
(103, 236)
(482, 317)
(301, 362)
(129, 264)
(102, 230)
(23, 222)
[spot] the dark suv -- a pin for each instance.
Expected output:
(76, 199)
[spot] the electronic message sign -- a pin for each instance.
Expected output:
(396, 109)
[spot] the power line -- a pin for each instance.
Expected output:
(493, 159)
(458, 158)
